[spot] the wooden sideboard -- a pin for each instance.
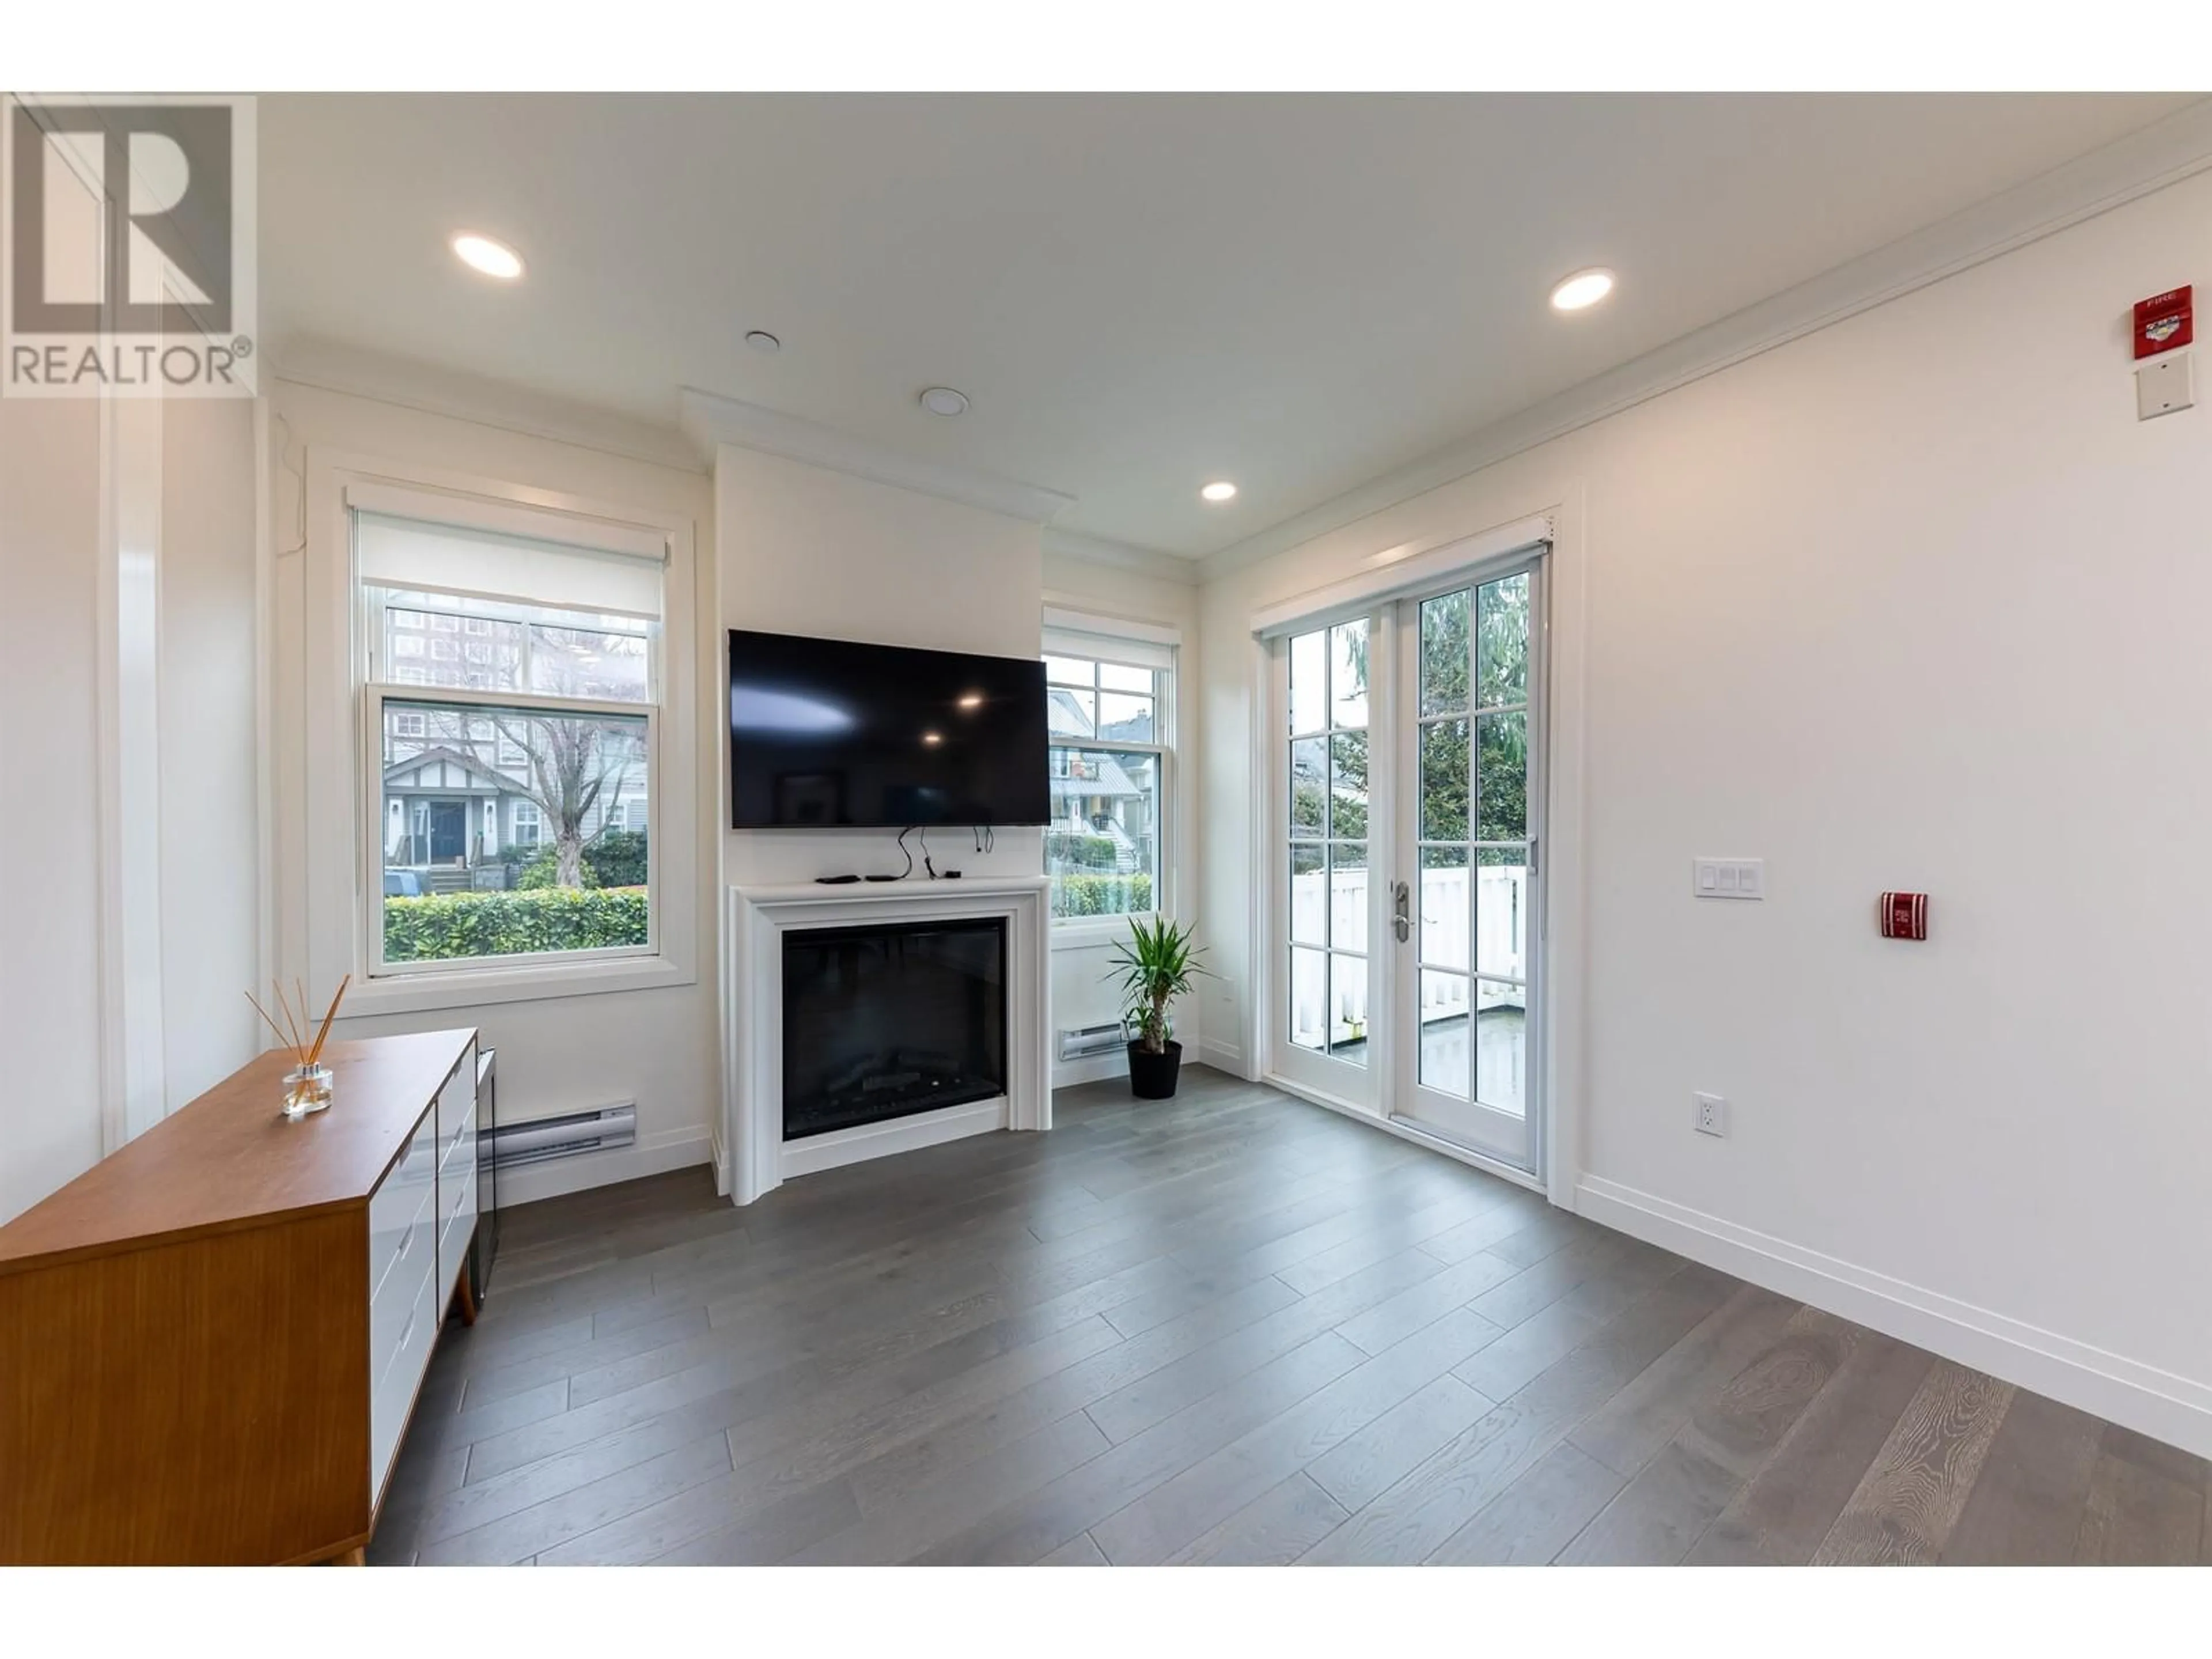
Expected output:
(211, 1341)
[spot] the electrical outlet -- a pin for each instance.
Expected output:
(1711, 1114)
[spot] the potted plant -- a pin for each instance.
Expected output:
(1156, 964)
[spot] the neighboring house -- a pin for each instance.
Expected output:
(1091, 791)
(456, 803)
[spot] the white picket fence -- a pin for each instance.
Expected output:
(1501, 919)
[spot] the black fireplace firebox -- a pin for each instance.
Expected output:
(884, 1022)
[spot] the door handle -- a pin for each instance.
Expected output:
(1401, 920)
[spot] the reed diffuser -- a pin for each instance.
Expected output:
(307, 1084)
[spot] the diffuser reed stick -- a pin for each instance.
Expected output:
(307, 1089)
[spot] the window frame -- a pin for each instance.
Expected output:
(1095, 639)
(322, 817)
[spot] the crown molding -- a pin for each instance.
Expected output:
(2165, 153)
(710, 420)
(312, 361)
(1096, 550)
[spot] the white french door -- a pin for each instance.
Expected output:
(1407, 895)
(1471, 934)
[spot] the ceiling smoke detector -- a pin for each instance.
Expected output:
(943, 401)
(760, 340)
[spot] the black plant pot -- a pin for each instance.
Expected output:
(1153, 1077)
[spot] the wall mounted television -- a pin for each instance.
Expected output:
(829, 734)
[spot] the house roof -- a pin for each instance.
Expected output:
(480, 776)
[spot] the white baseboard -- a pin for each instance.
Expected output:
(671, 1149)
(901, 1134)
(1224, 1056)
(2156, 1402)
(1091, 1069)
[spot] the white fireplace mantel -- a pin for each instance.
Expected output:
(759, 1159)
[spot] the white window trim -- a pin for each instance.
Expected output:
(331, 819)
(1076, 633)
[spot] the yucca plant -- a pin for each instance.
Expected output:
(1156, 964)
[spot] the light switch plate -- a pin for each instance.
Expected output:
(2164, 385)
(1728, 878)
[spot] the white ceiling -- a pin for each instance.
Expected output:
(1138, 293)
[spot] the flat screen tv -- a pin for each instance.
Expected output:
(830, 734)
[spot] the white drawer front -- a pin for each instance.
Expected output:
(458, 1142)
(395, 1392)
(410, 1268)
(395, 1205)
(457, 1206)
(458, 1099)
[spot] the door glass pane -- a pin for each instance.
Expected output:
(1502, 803)
(1347, 990)
(1309, 996)
(1443, 1032)
(1501, 912)
(1309, 682)
(1347, 811)
(1308, 785)
(1125, 718)
(1348, 895)
(1443, 906)
(1348, 673)
(1309, 907)
(1443, 653)
(1503, 616)
(1443, 781)
(1501, 1047)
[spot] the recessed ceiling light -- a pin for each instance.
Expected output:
(1219, 490)
(760, 340)
(943, 401)
(1582, 290)
(493, 259)
(932, 736)
(972, 700)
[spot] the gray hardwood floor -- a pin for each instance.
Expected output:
(1230, 1328)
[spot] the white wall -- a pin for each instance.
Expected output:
(1083, 989)
(50, 1109)
(211, 890)
(657, 1047)
(807, 550)
(1914, 602)
(104, 1037)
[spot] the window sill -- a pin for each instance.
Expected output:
(474, 988)
(1091, 931)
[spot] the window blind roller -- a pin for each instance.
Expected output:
(1109, 647)
(396, 552)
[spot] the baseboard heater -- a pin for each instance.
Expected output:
(513, 1144)
(1091, 1039)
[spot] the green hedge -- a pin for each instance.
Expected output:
(1064, 849)
(1100, 895)
(440, 927)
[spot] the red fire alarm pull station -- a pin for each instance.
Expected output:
(1904, 916)
(2166, 321)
